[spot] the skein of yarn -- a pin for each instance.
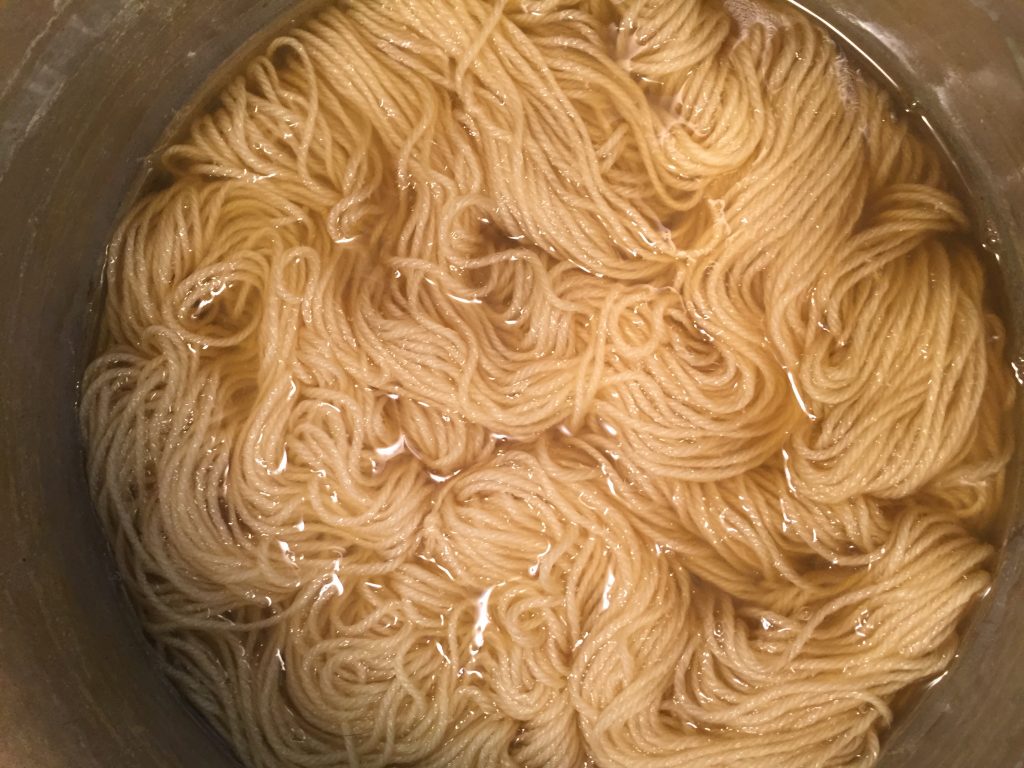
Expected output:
(549, 383)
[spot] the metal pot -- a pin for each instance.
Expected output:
(87, 87)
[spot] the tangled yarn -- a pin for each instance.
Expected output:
(549, 383)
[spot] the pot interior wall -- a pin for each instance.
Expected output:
(87, 88)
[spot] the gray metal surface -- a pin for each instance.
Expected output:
(87, 87)
(962, 62)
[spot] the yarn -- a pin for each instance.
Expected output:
(549, 383)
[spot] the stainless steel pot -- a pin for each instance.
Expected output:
(87, 87)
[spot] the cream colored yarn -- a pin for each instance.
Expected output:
(549, 383)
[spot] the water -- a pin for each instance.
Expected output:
(908, 94)
(620, 484)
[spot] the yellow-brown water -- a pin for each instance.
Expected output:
(550, 384)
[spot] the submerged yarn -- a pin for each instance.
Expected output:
(549, 383)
